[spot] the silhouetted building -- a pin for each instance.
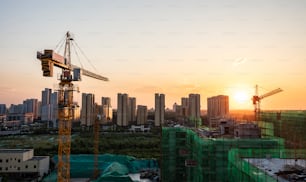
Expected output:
(142, 114)
(159, 109)
(132, 109)
(107, 111)
(3, 109)
(194, 106)
(184, 106)
(217, 108)
(122, 110)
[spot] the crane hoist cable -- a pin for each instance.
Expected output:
(60, 44)
(85, 56)
(76, 53)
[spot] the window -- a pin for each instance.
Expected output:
(34, 166)
(18, 168)
(6, 168)
(6, 160)
(0, 160)
(19, 160)
(26, 166)
(0, 168)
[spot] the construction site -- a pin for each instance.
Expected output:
(279, 154)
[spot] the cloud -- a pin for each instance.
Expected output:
(239, 61)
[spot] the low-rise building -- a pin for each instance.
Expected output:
(21, 163)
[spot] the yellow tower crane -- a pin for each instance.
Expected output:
(65, 99)
(256, 100)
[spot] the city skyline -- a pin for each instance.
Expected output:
(170, 47)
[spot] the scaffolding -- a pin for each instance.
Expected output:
(290, 125)
(209, 155)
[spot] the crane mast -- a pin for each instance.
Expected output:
(49, 59)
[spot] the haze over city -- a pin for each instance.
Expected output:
(170, 47)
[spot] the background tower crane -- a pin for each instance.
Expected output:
(256, 100)
(65, 99)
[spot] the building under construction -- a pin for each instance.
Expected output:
(279, 154)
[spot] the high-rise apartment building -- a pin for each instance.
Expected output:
(49, 105)
(159, 109)
(184, 106)
(2, 109)
(142, 114)
(107, 111)
(31, 106)
(46, 96)
(88, 109)
(122, 109)
(194, 106)
(217, 108)
(132, 109)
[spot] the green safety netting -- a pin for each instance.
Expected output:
(111, 167)
(210, 154)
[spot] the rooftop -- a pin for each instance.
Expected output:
(280, 169)
(14, 150)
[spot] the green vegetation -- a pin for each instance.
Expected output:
(140, 145)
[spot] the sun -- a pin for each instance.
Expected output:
(241, 97)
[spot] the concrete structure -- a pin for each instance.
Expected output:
(217, 108)
(21, 164)
(132, 109)
(122, 110)
(159, 109)
(142, 114)
(247, 130)
(194, 107)
(282, 170)
(88, 109)
(107, 111)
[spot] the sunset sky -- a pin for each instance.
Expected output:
(175, 47)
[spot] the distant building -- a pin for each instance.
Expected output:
(132, 109)
(107, 111)
(49, 105)
(88, 109)
(247, 130)
(16, 109)
(76, 113)
(184, 106)
(217, 108)
(142, 114)
(159, 109)
(194, 106)
(122, 109)
(22, 164)
(31, 106)
(46, 96)
(3, 109)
